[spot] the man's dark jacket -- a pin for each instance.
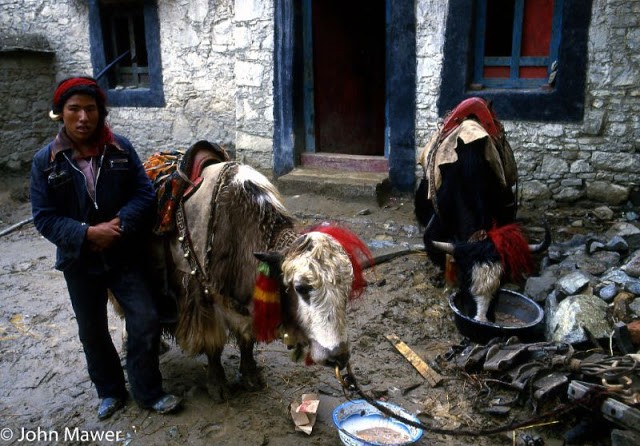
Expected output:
(63, 209)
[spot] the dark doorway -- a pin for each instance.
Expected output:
(349, 76)
(384, 117)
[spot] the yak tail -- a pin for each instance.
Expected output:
(513, 249)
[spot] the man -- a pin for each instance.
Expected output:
(91, 197)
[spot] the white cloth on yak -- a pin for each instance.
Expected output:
(468, 131)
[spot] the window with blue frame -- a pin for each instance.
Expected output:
(516, 43)
(125, 51)
(528, 57)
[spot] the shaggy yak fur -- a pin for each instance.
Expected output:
(471, 217)
(234, 220)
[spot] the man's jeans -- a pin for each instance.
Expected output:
(89, 299)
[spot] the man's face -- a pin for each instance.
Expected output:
(80, 115)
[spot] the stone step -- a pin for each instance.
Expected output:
(363, 186)
(340, 161)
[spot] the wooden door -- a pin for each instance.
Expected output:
(348, 51)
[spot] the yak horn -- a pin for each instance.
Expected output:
(545, 243)
(443, 246)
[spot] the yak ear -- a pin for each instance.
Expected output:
(273, 258)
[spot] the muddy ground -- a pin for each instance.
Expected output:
(46, 394)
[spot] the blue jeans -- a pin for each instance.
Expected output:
(88, 294)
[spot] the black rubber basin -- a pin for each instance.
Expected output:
(510, 314)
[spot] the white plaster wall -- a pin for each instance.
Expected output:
(217, 68)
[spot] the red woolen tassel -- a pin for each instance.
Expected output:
(513, 249)
(266, 305)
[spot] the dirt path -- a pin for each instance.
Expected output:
(45, 392)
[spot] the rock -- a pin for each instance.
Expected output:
(622, 229)
(632, 267)
(621, 437)
(617, 244)
(535, 191)
(631, 216)
(380, 242)
(572, 283)
(575, 312)
(633, 287)
(621, 310)
(174, 432)
(550, 307)
(634, 306)
(564, 268)
(603, 213)
(607, 192)
(633, 240)
(538, 287)
(594, 246)
(410, 230)
(607, 292)
(617, 276)
(559, 251)
(598, 263)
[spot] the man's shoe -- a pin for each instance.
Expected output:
(167, 404)
(109, 406)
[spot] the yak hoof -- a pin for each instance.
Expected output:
(252, 381)
(218, 392)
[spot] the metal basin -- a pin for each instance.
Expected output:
(361, 424)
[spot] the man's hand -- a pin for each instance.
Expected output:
(104, 235)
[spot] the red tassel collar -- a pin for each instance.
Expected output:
(355, 248)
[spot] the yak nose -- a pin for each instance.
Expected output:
(339, 356)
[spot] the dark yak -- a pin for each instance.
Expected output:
(467, 202)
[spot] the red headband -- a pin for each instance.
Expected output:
(65, 86)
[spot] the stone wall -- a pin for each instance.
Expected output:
(35, 29)
(29, 64)
(597, 160)
(217, 69)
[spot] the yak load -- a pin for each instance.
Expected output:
(238, 268)
(467, 202)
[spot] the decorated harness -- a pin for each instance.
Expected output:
(176, 175)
